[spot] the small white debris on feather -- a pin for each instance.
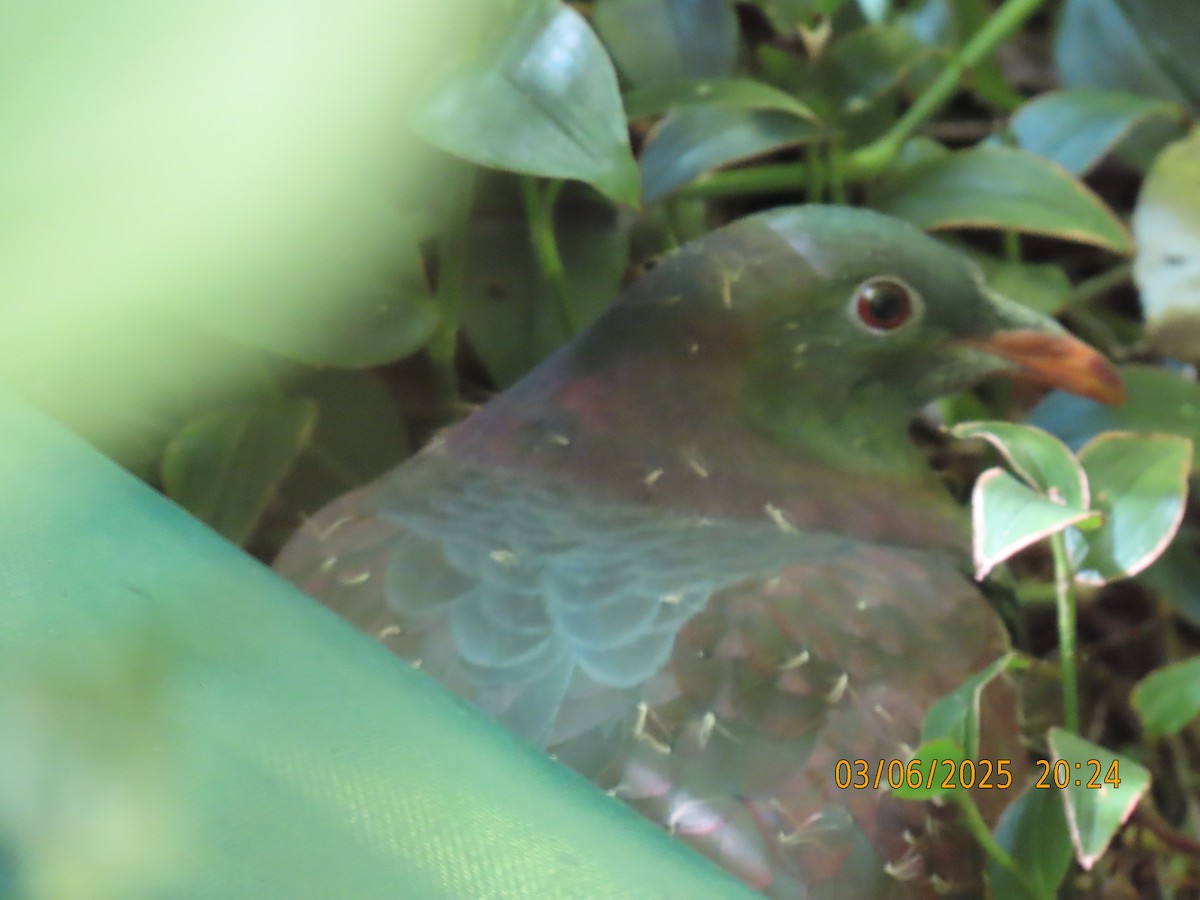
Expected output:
(674, 598)
(503, 558)
(704, 728)
(687, 809)
(561, 439)
(941, 886)
(799, 833)
(775, 514)
(800, 659)
(354, 580)
(696, 466)
(640, 734)
(328, 563)
(906, 868)
(838, 690)
(652, 477)
(388, 631)
(883, 713)
(654, 744)
(800, 348)
(333, 526)
(639, 724)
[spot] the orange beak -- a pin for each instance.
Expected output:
(1056, 360)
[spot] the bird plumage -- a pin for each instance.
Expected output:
(694, 555)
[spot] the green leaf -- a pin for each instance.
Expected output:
(1094, 814)
(932, 758)
(267, 179)
(737, 92)
(1168, 698)
(1139, 482)
(539, 97)
(1033, 829)
(1007, 516)
(870, 62)
(508, 311)
(1158, 400)
(362, 298)
(130, 388)
(1039, 458)
(1175, 576)
(1043, 287)
(788, 16)
(1166, 223)
(1132, 45)
(955, 717)
(695, 139)
(999, 187)
(359, 435)
(950, 24)
(874, 11)
(656, 42)
(381, 312)
(1077, 128)
(222, 467)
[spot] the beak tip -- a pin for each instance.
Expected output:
(1110, 387)
(1060, 361)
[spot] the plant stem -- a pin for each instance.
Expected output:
(837, 173)
(817, 174)
(874, 159)
(877, 156)
(1065, 601)
(539, 212)
(1093, 287)
(1012, 246)
(754, 180)
(451, 270)
(979, 830)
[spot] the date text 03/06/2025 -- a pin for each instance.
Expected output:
(949, 774)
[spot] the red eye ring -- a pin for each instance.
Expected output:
(882, 304)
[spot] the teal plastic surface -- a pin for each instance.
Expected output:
(177, 722)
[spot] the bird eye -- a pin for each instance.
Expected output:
(883, 304)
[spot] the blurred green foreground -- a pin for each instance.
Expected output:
(175, 721)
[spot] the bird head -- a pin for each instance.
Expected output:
(836, 324)
(880, 302)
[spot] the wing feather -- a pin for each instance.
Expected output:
(711, 673)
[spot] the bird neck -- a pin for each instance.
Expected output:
(863, 430)
(662, 433)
